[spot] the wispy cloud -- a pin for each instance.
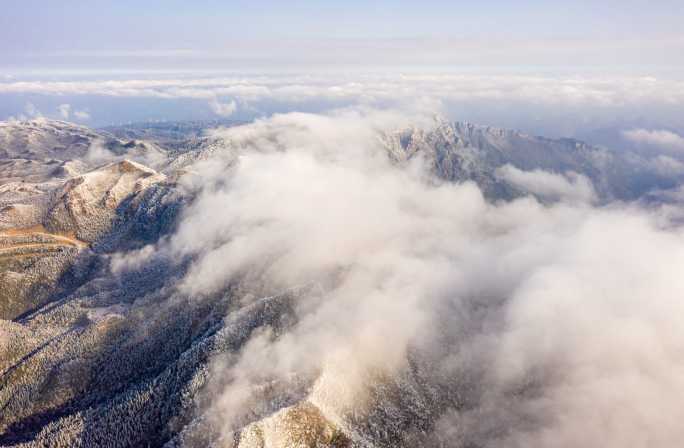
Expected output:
(661, 138)
(64, 110)
(32, 111)
(571, 187)
(223, 109)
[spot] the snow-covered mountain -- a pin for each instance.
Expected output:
(99, 348)
(41, 150)
(464, 151)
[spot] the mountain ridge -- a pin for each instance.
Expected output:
(98, 333)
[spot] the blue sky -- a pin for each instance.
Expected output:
(207, 34)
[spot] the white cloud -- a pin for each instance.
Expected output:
(223, 109)
(561, 323)
(568, 187)
(551, 105)
(31, 111)
(98, 154)
(64, 110)
(369, 88)
(666, 166)
(661, 138)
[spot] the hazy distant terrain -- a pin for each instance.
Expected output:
(333, 280)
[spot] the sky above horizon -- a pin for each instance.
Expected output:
(206, 35)
(577, 68)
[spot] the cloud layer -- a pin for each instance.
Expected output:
(600, 90)
(558, 96)
(561, 324)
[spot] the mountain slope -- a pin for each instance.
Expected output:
(464, 151)
(103, 343)
(46, 231)
(41, 150)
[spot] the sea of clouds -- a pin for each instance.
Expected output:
(555, 324)
(573, 104)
